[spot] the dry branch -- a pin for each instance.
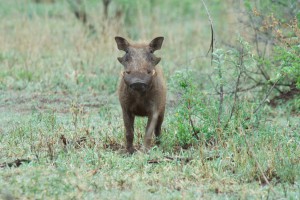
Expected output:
(267, 95)
(195, 132)
(211, 47)
(237, 84)
(170, 159)
(221, 93)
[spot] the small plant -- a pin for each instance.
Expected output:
(193, 118)
(184, 89)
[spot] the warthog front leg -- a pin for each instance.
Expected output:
(151, 124)
(129, 130)
(157, 130)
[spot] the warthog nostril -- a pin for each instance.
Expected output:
(138, 86)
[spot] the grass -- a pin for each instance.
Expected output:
(59, 109)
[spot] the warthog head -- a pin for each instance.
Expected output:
(139, 63)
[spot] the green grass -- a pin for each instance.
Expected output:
(59, 81)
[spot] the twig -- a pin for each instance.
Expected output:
(170, 159)
(244, 89)
(212, 82)
(235, 99)
(221, 93)
(250, 88)
(50, 150)
(211, 47)
(267, 95)
(241, 63)
(263, 101)
(238, 90)
(195, 132)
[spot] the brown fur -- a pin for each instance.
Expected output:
(140, 66)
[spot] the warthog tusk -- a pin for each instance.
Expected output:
(153, 72)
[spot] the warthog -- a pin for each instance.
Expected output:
(142, 89)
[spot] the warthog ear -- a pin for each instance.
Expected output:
(122, 43)
(120, 59)
(156, 61)
(156, 43)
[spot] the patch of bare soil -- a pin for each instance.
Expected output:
(285, 96)
(113, 146)
(84, 141)
(15, 163)
(21, 102)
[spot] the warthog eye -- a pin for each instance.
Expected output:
(149, 71)
(127, 72)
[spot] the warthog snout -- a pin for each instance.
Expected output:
(138, 86)
(138, 81)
